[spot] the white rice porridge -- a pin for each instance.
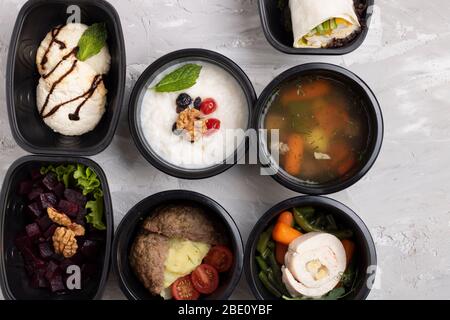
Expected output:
(158, 115)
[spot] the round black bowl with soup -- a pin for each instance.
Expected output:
(329, 125)
(153, 115)
(350, 227)
(132, 224)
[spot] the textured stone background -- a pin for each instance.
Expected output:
(404, 200)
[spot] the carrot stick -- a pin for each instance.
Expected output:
(294, 157)
(305, 91)
(331, 118)
(346, 166)
(280, 252)
(287, 218)
(339, 152)
(284, 233)
(349, 247)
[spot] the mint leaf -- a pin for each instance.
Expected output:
(180, 79)
(92, 41)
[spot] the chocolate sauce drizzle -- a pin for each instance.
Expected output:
(47, 99)
(74, 51)
(55, 31)
(85, 96)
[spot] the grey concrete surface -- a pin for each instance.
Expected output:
(405, 198)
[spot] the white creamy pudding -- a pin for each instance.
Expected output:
(164, 114)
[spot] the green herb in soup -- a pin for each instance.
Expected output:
(323, 128)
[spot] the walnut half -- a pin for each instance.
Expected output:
(58, 217)
(63, 220)
(64, 242)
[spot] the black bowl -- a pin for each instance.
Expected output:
(138, 94)
(365, 247)
(35, 20)
(375, 127)
(130, 225)
(272, 19)
(13, 278)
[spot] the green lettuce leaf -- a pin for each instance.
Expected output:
(95, 217)
(87, 180)
(63, 173)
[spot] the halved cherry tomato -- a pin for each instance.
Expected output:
(183, 289)
(220, 257)
(208, 106)
(212, 125)
(205, 279)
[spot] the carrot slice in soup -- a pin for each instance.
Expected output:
(331, 118)
(305, 91)
(294, 157)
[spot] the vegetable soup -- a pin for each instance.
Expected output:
(323, 128)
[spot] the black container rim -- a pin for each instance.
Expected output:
(250, 248)
(181, 195)
(374, 114)
(108, 209)
(313, 51)
(211, 57)
(106, 140)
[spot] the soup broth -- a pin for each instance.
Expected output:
(323, 128)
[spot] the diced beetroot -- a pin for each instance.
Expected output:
(35, 193)
(59, 189)
(45, 250)
(52, 271)
(50, 181)
(88, 270)
(50, 231)
(78, 258)
(58, 257)
(38, 279)
(69, 208)
(65, 264)
(75, 196)
(89, 249)
(81, 216)
(57, 284)
(31, 260)
(36, 174)
(33, 231)
(48, 200)
(44, 223)
(35, 210)
(25, 187)
(23, 242)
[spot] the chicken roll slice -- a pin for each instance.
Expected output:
(314, 265)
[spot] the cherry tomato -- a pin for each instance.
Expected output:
(183, 289)
(208, 106)
(212, 125)
(220, 257)
(205, 279)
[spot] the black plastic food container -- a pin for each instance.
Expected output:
(35, 20)
(365, 248)
(272, 19)
(375, 127)
(145, 80)
(13, 278)
(130, 225)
